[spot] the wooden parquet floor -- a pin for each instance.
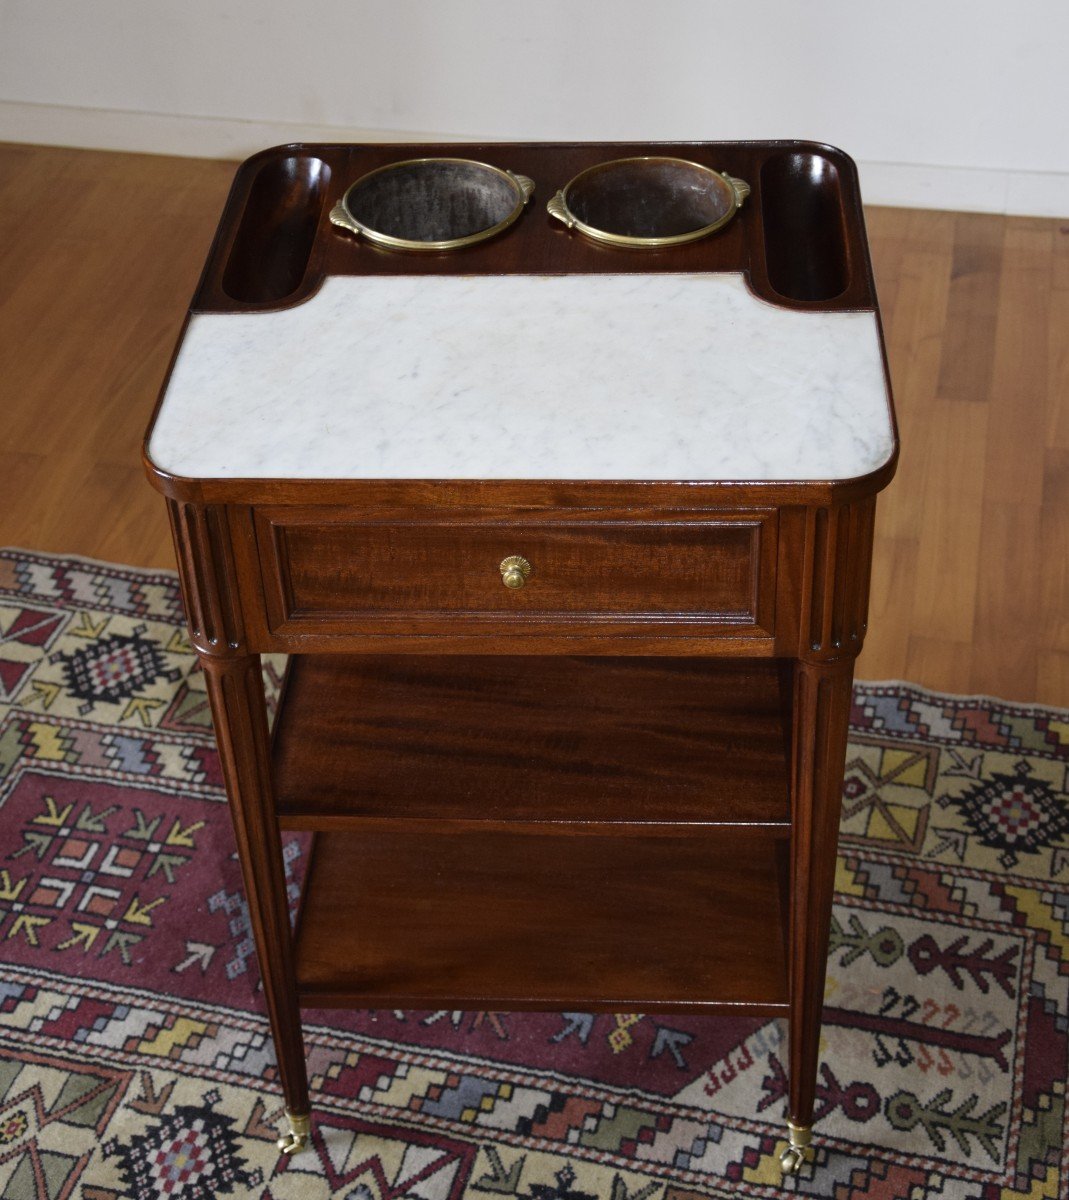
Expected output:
(100, 252)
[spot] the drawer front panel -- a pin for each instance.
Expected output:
(330, 567)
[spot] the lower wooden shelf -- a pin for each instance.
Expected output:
(498, 919)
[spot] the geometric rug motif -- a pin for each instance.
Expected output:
(136, 1060)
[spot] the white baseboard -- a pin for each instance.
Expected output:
(966, 189)
(165, 133)
(900, 185)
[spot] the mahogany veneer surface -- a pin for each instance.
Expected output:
(447, 791)
(708, 565)
(496, 920)
(531, 739)
(799, 236)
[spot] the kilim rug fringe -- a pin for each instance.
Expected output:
(136, 1062)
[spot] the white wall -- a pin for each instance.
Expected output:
(944, 103)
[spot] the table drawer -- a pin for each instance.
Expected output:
(338, 569)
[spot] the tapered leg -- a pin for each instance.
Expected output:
(821, 718)
(235, 689)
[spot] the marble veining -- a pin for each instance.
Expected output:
(621, 377)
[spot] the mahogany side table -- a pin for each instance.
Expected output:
(569, 545)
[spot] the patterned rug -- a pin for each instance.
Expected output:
(135, 1059)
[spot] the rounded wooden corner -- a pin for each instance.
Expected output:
(173, 487)
(871, 483)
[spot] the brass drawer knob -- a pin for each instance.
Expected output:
(514, 571)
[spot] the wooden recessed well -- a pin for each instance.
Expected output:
(802, 218)
(274, 241)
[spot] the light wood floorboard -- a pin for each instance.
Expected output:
(971, 572)
(100, 252)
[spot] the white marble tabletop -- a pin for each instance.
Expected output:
(617, 377)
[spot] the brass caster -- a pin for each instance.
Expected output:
(796, 1152)
(297, 1138)
(791, 1160)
